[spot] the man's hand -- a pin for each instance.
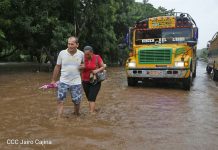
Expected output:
(82, 66)
(53, 82)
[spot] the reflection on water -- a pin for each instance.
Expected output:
(143, 117)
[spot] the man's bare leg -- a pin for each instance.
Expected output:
(60, 108)
(76, 109)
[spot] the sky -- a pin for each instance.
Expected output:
(204, 12)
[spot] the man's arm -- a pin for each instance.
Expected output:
(82, 65)
(55, 73)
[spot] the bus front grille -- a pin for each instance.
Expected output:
(155, 56)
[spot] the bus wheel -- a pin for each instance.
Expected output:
(194, 73)
(187, 83)
(208, 69)
(131, 81)
(215, 75)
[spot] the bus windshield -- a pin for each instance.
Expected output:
(178, 35)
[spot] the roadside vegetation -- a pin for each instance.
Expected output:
(35, 30)
(202, 54)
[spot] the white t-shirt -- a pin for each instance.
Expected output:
(70, 73)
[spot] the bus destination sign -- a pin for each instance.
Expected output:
(162, 22)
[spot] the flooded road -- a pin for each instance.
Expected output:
(147, 117)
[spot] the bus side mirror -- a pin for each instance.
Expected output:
(122, 45)
(127, 39)
(195, 36)
(125, 42)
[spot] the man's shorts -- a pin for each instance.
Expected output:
(75, 91)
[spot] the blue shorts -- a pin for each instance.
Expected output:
(75, 91)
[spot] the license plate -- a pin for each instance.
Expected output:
(154, 73)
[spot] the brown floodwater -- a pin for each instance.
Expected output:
(150, 116)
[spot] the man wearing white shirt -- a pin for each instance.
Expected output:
(69, 63)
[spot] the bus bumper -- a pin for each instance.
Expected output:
(158, 73)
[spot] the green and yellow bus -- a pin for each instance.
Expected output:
(163, 47)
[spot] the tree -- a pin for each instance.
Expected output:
(38, 28)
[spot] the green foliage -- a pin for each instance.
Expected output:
(33, 26)
(60, 33)
(2, 35)
(4, 23)
(202, 53)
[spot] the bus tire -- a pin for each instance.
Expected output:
(131, 81)
(215, 75)
(208, 69)
(194, 73)
(187, 83)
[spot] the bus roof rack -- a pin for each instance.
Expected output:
(176, 14)
(185, 15)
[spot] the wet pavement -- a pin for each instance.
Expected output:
(151, 116)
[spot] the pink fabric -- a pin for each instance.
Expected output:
(49, 86)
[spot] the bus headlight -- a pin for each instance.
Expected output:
(179, 64)
(131, 64)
